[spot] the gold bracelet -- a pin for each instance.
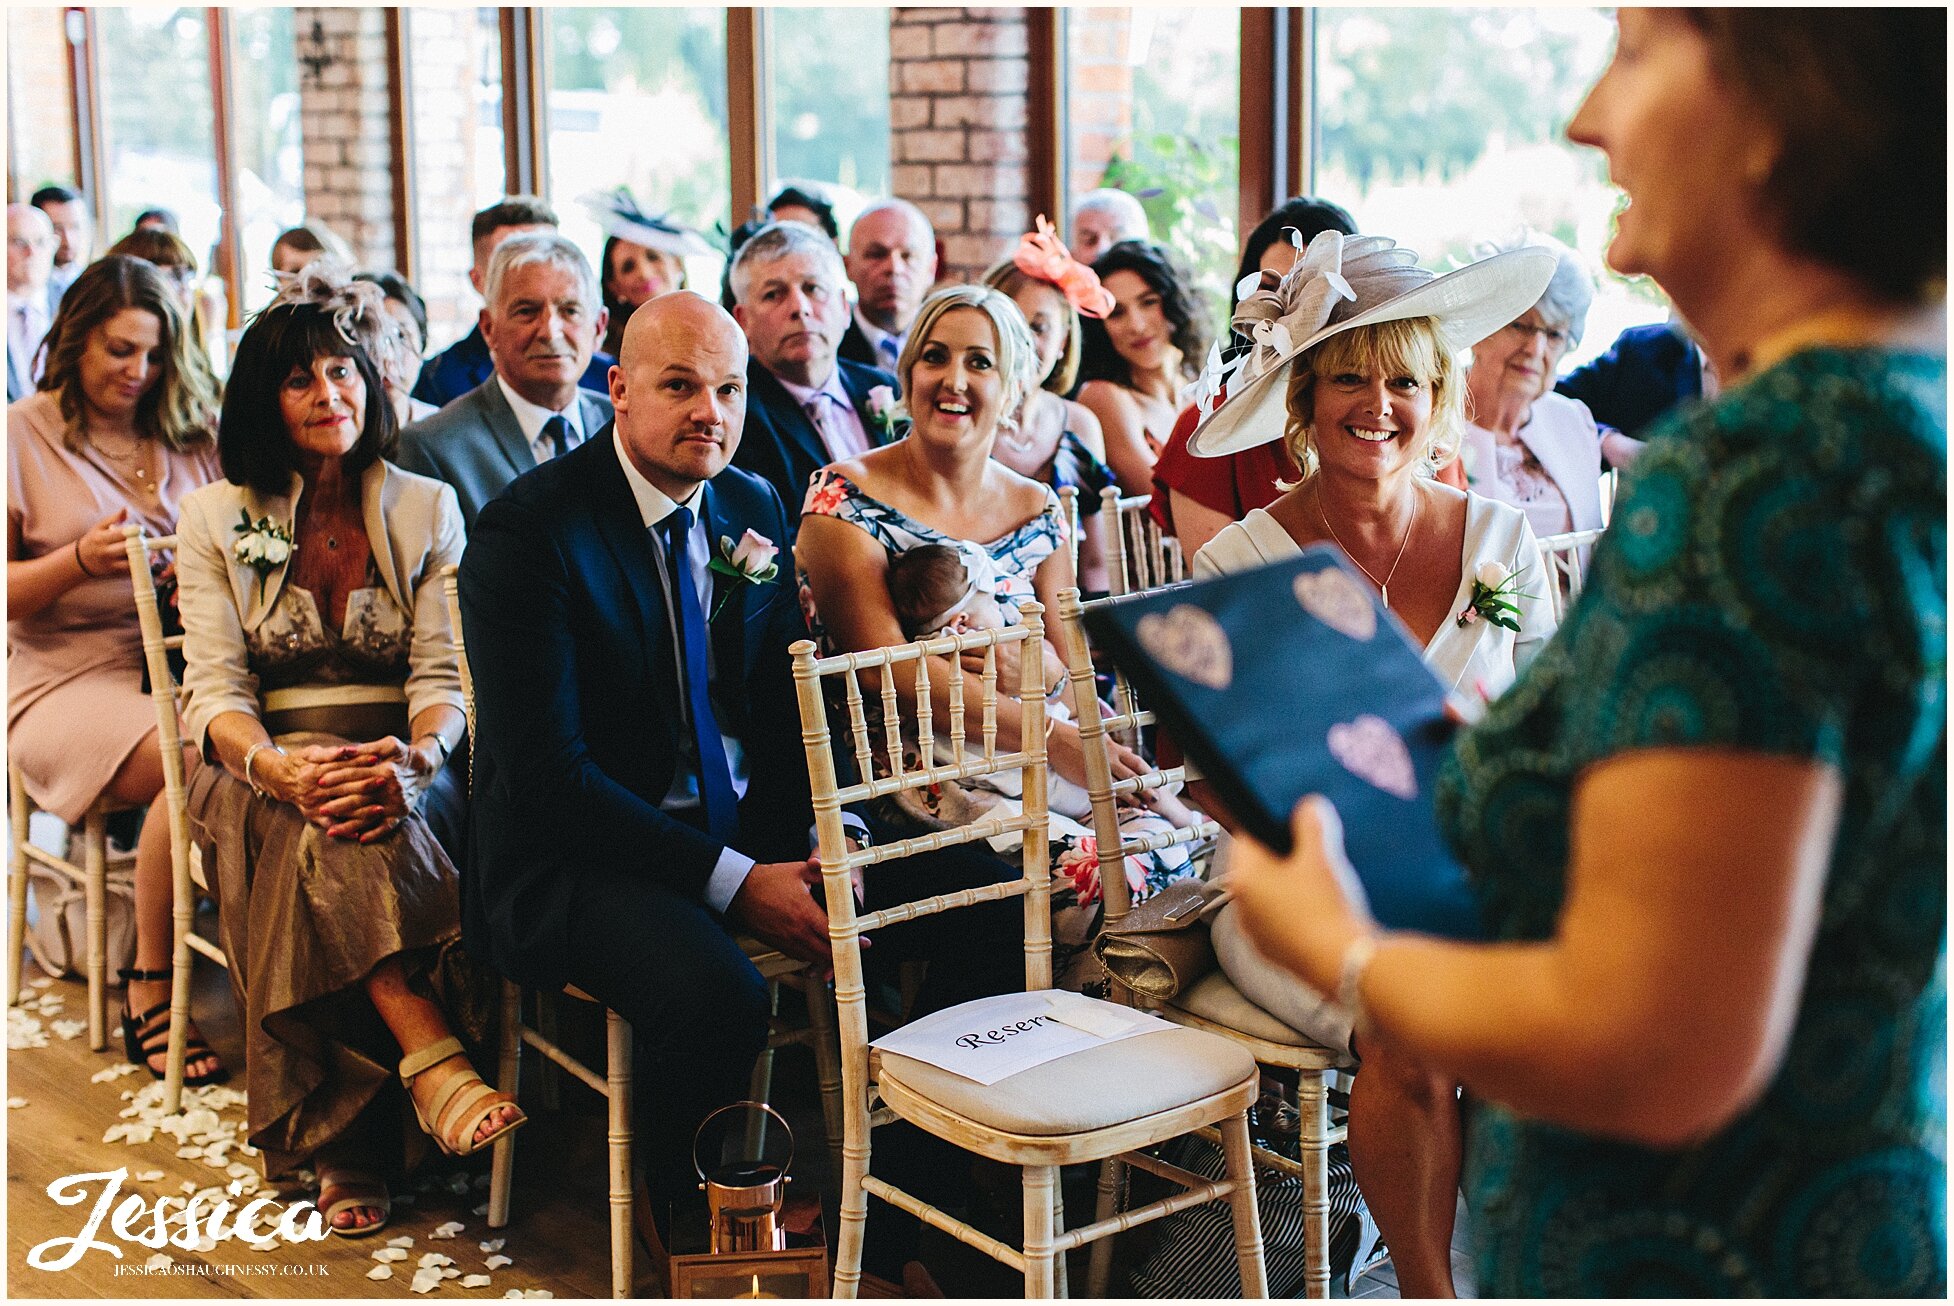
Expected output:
(440, 742)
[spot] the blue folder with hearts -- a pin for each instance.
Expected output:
(1292, 680)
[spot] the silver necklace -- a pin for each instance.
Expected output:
(1383, 586)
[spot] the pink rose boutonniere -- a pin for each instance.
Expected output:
(882, 411)
(1494, 588)
(750, 562)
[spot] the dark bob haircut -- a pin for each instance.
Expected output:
(1859, 99)
(1310, 217)
(1181, 303)
(253, 444)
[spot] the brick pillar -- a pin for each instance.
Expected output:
(957, 80)
(343, 128)
(1099, 93)
(444, 51)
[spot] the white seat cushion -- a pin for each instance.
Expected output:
(1111, 1084)
(1215, 998)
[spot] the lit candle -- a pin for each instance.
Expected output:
(756, 1294)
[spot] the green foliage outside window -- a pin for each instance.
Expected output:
(1182, 184)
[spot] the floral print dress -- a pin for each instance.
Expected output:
(1004, 568)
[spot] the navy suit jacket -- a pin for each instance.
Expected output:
(577, 702)
(467, 363)
(855, 348)
(1645, 373)
(779, 443)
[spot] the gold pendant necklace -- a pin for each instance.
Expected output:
(1383, 586)
(132, 464)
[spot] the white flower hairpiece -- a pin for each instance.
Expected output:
(358, 308)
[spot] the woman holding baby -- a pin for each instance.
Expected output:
(969, 360)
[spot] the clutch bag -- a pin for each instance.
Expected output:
(1162, 946)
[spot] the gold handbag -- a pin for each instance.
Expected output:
(1162, 946)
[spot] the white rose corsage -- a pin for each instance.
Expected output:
(1494, 589)
(881, 402)
(749, 562)
(263, 545)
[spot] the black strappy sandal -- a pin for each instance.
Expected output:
(148, 1035)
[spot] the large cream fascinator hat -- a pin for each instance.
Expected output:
(1338, 283)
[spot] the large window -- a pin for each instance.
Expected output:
(265, 121)
(1446, 128)
(40, 123)
(830, 102)
(157, 123)
(637, 98)
(454, 60)
(1152, 99)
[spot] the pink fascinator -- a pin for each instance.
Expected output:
(1043, 255)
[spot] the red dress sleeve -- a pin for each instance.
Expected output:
(1231, 485)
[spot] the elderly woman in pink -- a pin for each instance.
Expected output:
(1523, 443)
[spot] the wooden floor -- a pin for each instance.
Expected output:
(557, 1238)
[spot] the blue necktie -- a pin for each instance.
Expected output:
(888, 351)
(557, 432)
(715, 777)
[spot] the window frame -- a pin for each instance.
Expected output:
(1276, 120)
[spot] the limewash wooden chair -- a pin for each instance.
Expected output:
(187, 879)
(1108, 1101)
(1212, 1003)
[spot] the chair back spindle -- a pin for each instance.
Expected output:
(1564, 563)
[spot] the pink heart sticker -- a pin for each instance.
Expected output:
(1338, 601)
(1189, 643)
(1372, 751)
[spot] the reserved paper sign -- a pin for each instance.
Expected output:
(994, 1038)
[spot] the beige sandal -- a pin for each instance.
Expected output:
(349, 1189)
(460, 1104)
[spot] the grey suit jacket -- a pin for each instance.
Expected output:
(476, 445)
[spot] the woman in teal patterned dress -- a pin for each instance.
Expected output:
(1708, 824)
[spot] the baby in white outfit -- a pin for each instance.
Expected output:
(935, 594)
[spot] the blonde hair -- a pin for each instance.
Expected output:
(1017, 352)
(1403, 347)
(1008, 277)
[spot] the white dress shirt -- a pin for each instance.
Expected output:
(533, 417)
(27, 324)
(886, 344)
(834, 416)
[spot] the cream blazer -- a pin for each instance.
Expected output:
(1561, 434)
(413, 525)
(1469, 658)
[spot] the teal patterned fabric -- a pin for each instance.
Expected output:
(1775, 580)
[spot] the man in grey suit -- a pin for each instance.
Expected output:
(542, 322)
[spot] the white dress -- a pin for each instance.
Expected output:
(1480, 657)
(1464, 657)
